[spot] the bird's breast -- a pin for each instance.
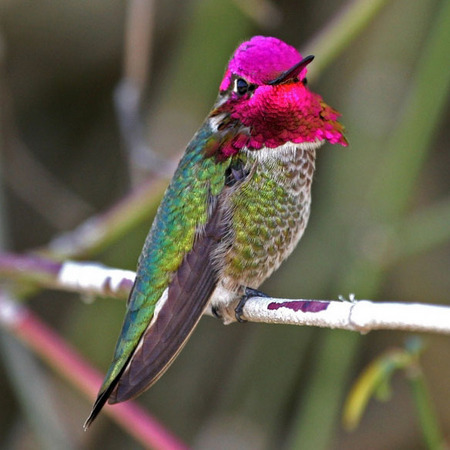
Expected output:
(269, 213)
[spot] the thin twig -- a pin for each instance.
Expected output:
(26, 326)
(129, 91)
(99, 231)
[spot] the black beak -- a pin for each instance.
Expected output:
(293, 72)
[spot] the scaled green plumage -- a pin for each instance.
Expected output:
(182, 212)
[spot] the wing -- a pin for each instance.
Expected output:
(175, 277)
(180, 309)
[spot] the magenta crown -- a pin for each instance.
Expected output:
(260, 60)
(278, 109)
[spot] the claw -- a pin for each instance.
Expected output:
(248, 293)
(215, 310)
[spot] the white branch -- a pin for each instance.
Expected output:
(94, 278)
(362, 316)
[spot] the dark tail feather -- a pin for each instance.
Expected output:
(98, 405)
(102, 398)
(188, 296)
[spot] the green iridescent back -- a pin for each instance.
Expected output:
(182, 212)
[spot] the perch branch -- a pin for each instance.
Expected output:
(362, 315)
(86, 278)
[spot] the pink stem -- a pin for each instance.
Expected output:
(65, 360)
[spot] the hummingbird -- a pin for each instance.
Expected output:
(236, 207)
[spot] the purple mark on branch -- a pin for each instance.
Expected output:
(300, 305)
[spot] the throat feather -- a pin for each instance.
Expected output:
(229, 137)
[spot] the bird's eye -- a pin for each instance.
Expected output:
(241, 86)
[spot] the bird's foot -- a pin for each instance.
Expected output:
(248, 293)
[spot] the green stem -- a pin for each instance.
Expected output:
(423, 111)
(432, 435)
(340, 32)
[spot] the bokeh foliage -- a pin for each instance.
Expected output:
(250, 386)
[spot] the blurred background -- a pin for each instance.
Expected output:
(379, 226)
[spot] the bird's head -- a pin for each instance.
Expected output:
(264, 102)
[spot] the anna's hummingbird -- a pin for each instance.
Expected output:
(235, 209)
